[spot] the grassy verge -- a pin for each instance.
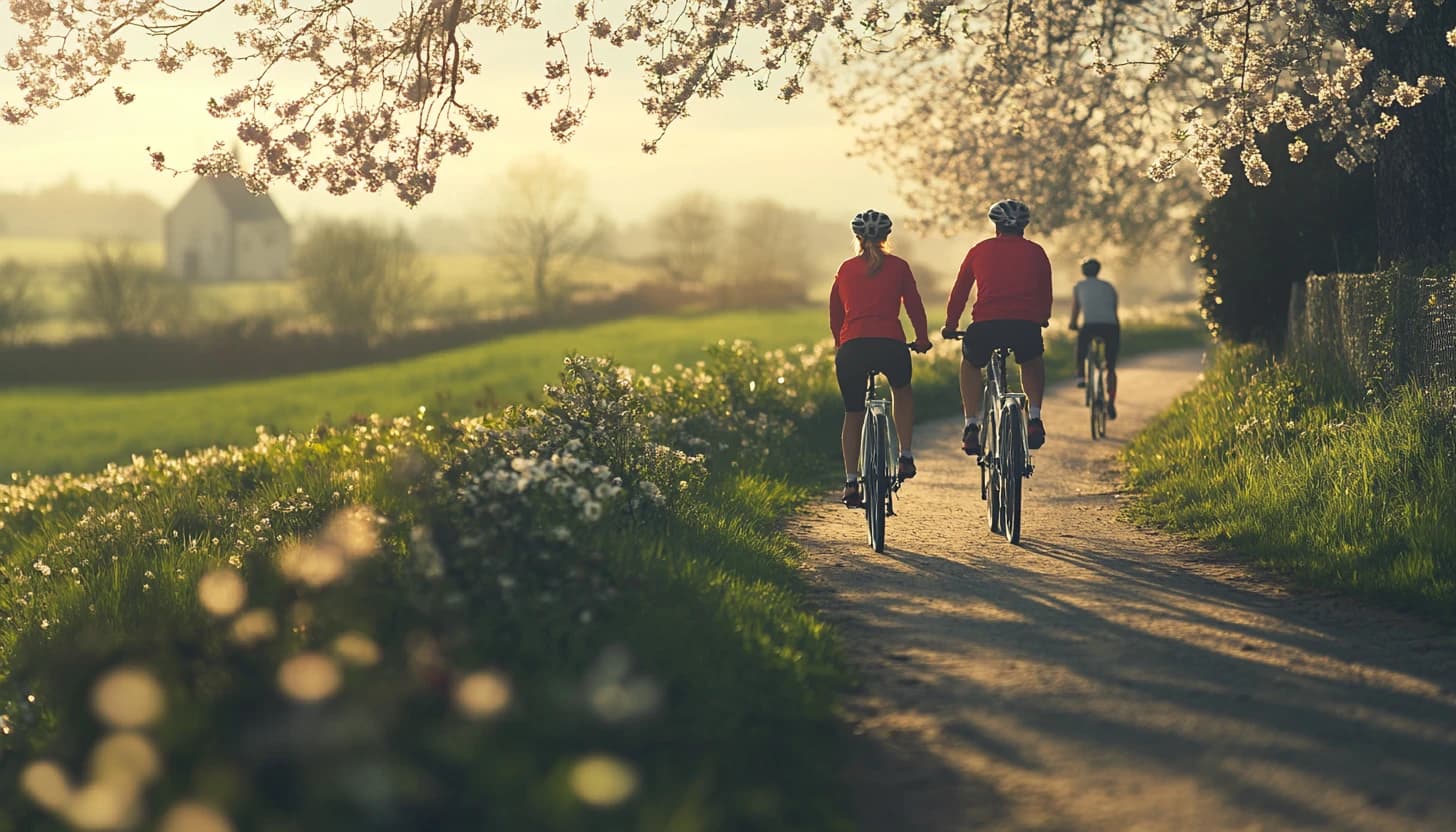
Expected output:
(47, 430)
(1310, 479)
(576, 616)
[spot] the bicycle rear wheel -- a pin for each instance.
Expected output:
(876, 481)
(1102, 404)
(1013, 465)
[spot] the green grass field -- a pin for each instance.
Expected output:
(1309, 478)
(46, 430)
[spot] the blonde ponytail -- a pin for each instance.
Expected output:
(873, 251)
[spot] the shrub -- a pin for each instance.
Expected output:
(360, 279)
(126, 297)
(18, 306)
(1255, 242)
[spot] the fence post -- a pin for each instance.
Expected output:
(1295, 336)
(1404, 326)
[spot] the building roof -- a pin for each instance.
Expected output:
(238, 201)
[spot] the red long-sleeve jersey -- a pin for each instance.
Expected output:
(864, 305)
(1013, 280)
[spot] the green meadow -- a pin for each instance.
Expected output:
(47, 430)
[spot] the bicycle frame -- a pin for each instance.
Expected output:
(1003, 467)
(879, 448)
(878, 408)
(995, 403)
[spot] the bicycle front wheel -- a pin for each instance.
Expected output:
(1013, 464)
(991, 474)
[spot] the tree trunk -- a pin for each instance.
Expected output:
(538, 284)
(1415, 175)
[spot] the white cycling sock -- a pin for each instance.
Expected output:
(974, 420)
(907, 455)
(1035, 413)
(851, 477)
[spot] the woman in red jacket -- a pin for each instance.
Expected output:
(864, 315)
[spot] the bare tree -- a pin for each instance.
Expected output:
(19, 308)
(541, 228)
(362, 279)
(768, 254)
(127, 297)
(689, 232)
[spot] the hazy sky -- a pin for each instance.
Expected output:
(747, 144)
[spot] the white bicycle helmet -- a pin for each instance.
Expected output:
(871, 225)
(1010, 214)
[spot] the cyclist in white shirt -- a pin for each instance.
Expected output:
(1096, 301)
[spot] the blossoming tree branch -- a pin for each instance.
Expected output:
(1085, 100)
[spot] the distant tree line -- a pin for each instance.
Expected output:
(537, 238)
(69, 211)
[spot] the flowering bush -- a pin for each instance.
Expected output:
(509, 621)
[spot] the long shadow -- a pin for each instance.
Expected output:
(1350, 733)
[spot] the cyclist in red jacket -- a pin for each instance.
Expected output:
(1013, 280)
(864, 315)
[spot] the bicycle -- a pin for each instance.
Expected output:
(879, 448)
(1005, 456)
(1095, 370)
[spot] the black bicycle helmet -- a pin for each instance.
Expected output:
(1090, 267)
(1010, 214)
(871, 225)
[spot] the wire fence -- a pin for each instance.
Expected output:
(1378, 330)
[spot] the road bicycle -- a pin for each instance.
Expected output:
(1095, 370)
(879, 470)
(1005, 456)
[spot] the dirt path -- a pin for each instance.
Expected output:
(1105, 677)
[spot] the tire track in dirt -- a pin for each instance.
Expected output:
(1107, 677)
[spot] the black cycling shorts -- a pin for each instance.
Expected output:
(1111, 334)
(1022, 337)
(855, 359)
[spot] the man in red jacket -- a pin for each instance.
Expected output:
(1013, 280)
